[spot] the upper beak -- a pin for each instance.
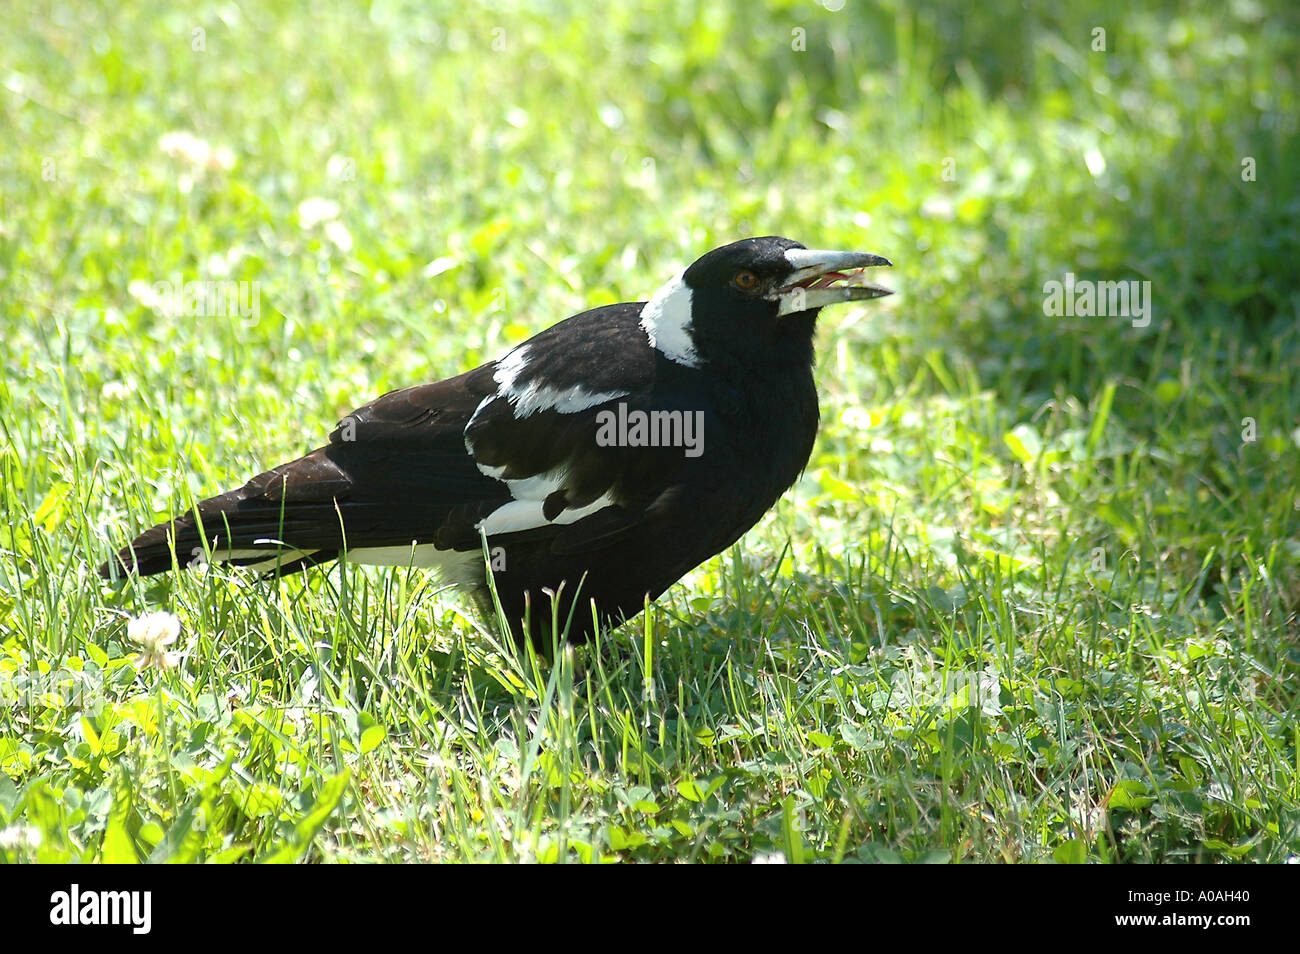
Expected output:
(812, 283)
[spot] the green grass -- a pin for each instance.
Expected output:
(1034, 599)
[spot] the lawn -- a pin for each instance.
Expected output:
(1036, 597)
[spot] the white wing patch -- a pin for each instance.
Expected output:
(528, 399)
(520, 515)
(539, 396)
(525, 512)
(536, 487)
(666, 320)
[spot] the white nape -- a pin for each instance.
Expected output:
(666, 320)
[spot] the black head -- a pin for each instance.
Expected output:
(755, 300)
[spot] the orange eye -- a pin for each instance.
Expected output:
(745, 280)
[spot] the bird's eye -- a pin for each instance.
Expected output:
(745, 280)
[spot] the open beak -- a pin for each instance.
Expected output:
(823, 277)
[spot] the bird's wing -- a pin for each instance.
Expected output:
(550, 431)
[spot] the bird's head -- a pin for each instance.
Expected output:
(755, 295)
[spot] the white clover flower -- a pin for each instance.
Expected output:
(312, 212)
(196, 152)
(115, 391)
(155, 632)
(180, 144)
(20, 836)
(338, 233)
(150, 295)
(222, 158)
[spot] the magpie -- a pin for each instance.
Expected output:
(595, 463)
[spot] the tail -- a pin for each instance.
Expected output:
(244, 527)
(402, 478)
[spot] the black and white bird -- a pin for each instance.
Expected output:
(601, 459)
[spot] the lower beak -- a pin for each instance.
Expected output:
(822, 277)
